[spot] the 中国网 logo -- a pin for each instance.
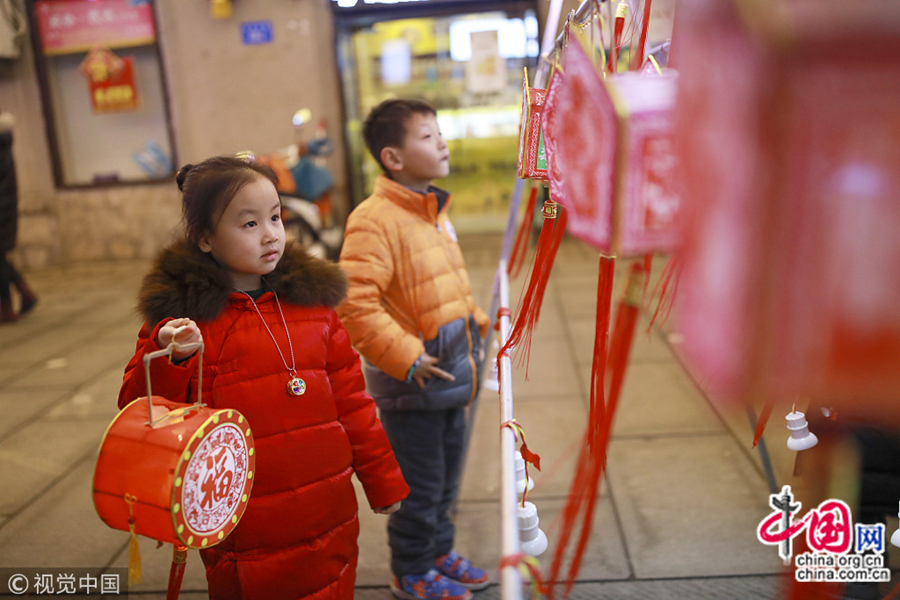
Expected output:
(829, 537)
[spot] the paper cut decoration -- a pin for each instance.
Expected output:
(610, 155)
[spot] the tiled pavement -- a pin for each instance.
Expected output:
(676, 518)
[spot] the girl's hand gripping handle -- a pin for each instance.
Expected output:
(182, 332)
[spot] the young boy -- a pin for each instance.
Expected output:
(411, 315)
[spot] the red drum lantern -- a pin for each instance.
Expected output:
(173, 472)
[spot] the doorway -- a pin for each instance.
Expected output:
(469, 67)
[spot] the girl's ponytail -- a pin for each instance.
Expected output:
(182, 175)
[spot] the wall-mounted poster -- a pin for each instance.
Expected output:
(70, 27)
(486, 70)
(110, 81)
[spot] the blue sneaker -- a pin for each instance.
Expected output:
(461, 571)
(430, 586)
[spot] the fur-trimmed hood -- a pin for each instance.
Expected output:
(186, 282)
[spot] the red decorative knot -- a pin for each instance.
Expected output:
(131, 520)
(503, 312)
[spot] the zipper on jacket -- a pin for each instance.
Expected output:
(471, 361)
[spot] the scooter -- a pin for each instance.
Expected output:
(304, 188)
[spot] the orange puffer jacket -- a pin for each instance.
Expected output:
(407, 278)
(298, 535)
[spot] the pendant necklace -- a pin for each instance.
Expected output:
(295, 386)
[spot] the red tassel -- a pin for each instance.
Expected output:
(619, 351)
(621, 11)
(521, 246)
(592, 459)
(601, 340)
(648, 266)
(761, 422)
(638, 59)
(585, 475)
(623, 335)
(529, 309)
(671, 272)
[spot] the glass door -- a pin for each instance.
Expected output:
(470, 68)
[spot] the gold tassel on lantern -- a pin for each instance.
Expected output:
(134, 550)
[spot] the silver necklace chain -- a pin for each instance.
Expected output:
(293, 368)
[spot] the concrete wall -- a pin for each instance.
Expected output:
(224, 97)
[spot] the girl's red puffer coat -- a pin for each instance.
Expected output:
(297, 538)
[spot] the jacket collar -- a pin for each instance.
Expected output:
(185, 282)
(428, 205)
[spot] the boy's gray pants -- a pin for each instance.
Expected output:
(428, 446)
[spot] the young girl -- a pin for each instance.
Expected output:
(274, 350)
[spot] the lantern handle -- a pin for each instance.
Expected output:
(167, 351)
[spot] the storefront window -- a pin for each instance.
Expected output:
(469, 66)
(103, 90)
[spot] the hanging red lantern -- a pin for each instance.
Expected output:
(787, 131)
(532, 161)
(610, 154)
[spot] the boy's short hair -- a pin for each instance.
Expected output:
(386, 124)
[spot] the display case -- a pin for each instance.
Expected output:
(103, 90)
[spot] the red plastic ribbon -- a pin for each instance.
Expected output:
(527, 455)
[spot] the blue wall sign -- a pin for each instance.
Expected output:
(256, 32)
